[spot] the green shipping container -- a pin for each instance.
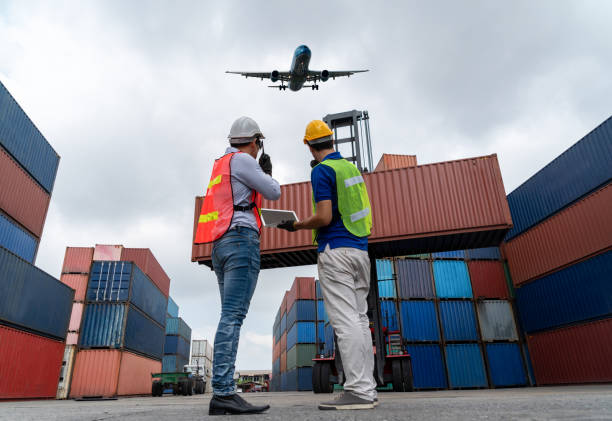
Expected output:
(301, 355)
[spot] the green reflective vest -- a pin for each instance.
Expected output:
(353, 200)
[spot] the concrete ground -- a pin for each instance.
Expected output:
(592, 402)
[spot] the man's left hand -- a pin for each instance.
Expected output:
(287, 225)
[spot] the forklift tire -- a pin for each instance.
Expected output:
(407, 372)
(397, 375)
(321, 378)
(182, 387)
(316, 377)
(190, 386)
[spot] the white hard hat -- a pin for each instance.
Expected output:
(243, 130)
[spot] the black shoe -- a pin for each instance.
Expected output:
(233, 404)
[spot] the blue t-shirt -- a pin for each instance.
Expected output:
(323, 180)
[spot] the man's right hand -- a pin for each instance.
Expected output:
(265, 163)
(287, 225)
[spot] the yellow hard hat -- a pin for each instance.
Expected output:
(316, 132)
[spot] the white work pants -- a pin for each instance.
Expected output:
(344, 274)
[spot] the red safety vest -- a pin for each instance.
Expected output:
(218, 207)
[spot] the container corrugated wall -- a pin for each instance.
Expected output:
(301, 311)
(452, 254)
(177, 326)
(175, 344)
(485, 253)
(392, 161)
(78, 260)
(135, 374)
(414, 279)
(384, 269)
(76, 282)
(173, 363)
(465, 366)
(488, 279)
(299, 379)
(147, 262)
(173, 308)
(301, 332)
(465, 194)
(564, 180)
(458, 320)
(576, 354)
(303, 288)
(17, 240)
(579, 292)
(427, 367)
(301, 355)
(388, 315)
(29, 365)
(20, 137)
(419, 321)
(505, 365)
(452, 279)
(108, 252)
(21, 197)
(386, 289)
(582, 229)
(33, 299)
(496, 320)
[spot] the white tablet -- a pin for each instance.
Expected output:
(273, 217)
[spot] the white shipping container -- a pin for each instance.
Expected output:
(63, 387)
(201, 348)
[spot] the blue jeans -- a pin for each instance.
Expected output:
(235, 259)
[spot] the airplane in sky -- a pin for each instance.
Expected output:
(299, 73)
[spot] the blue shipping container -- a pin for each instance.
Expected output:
(301, 333)
(506, 365)
(486, 253)
(427, 366)
(299, 379)
(283, 324)
(465, 366)
(124, 281)
(318, 292)
(301, 311)
(175, 344)
(173, 308)
(328, 349)
(458, 320)
(321, 313)
(283, 382)
(388, 314)
(414, 279)
(384, 269)
(276, 367)
(453, 254)
(576, 172)
(20, 137)
(33, 299)
(120, 325)
(177, 326)
(452, 279)
(386, 289)
(173, 363)
(17, 240)
(419, 321)
(580, 292)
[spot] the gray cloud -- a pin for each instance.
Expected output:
(134, 97)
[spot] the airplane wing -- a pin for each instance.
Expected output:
(284, 76)
(316, 74)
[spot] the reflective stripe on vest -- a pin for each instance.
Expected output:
(218, 207)
(353, 201)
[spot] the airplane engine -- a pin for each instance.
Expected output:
(324, 75)
(274, 76)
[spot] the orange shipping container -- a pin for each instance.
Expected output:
(78, 260)
(283, 307)
(78, 282)
(75, 317)
(582, 230)
(283, 343)
(107, 252)
(435, 207)
(390, 161)
(303, 288)
(283, 362)
(111, 372)
(147, 262)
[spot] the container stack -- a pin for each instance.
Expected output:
(295, 337)
(34, 307)
(121, 332)
(202, 357)
(177, 345)
(560, 258)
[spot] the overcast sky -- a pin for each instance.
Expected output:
(133, 97)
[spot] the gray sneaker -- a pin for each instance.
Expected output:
(347, 400)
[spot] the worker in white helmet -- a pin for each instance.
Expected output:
(230, 219)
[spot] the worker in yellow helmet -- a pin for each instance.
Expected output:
(341, 223)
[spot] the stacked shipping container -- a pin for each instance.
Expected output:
(33, 340)
(560, 257)
(294, 338)
(176, 346)
(202, 357)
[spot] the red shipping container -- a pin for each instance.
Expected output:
(29, 365)
(21, 197)
(283, 361)
(78, 260)
(111, 372)
(488, 279)
(283, 342)
(303, 288)
(75, 317)
(435, 207)
(576, 354)
(107, 252)
(77, 282)
(576, 233)
(283, 307)
(145, 260)
(390, 161)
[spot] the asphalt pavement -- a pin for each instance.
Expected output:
(592, 402)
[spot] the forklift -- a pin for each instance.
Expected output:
(391, 362)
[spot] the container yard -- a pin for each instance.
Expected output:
(484, 172)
